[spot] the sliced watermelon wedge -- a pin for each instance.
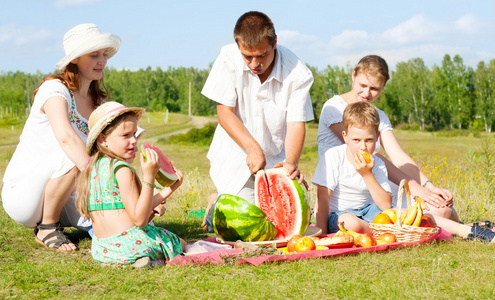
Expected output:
(284, 201)
(166, 175)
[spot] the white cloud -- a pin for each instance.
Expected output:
(349, 39)
(300, 43)
(24, 43)
(11, 35)
(467, 24)
(72, 3)
(418, 36)
(416, 29)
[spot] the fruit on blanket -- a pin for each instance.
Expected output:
(166, 175)
(391, 213)
(235, 219)
(365, 240)
(385, 238)
(305, 244)
(382, 218)
(343, 230)
(366, 155)
(284, 201)
(315, 239)
(291, 244)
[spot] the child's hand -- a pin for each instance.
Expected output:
(159, 210)
(167, 191)
(151, 165)
(361, 166)
(180, 178)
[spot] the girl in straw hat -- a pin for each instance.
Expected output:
(39, 180)
(110, 193)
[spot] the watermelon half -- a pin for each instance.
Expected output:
(166, 175)
(284, 201)
(234, 218)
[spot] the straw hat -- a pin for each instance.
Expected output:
(104, 115)
(84, 39)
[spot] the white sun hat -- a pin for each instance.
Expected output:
(86, 38)
(101, 117)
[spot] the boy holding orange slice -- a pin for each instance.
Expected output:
(352, 184)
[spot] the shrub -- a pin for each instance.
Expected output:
(199, 136)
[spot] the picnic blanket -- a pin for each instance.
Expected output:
(215, 257)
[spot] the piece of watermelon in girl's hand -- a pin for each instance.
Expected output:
(166, 175)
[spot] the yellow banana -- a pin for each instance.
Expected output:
(343, 230)
(411, 215)
(419, 204)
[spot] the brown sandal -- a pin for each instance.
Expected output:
(54, 239)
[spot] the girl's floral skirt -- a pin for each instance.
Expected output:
(136, 242)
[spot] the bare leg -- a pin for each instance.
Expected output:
(450, 226)
(55, 197)
(354, 223)
(444, 212)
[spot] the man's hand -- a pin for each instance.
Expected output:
(255, 159)
(293, 172)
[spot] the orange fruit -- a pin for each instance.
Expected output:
(387, 238)
(382, 218)
(391, 213)
(365, 240)
(291, 244)
(366, 156)
(305, 244)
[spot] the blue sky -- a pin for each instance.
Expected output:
(190, 33)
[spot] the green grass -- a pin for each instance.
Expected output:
(453, 269)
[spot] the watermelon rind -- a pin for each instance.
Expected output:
(234, 218)
(163, 177)
(297, 192)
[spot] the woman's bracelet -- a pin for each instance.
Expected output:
(426, 182)
(151, 185)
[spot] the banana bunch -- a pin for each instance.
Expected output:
(414, 213)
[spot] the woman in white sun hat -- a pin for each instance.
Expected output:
(39, 181)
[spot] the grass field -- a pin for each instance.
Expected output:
(454, 269)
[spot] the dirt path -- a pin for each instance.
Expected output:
(196, 122)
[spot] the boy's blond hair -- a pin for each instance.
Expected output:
(362, 115)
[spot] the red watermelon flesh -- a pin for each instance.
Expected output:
(166, 175)
(284, 201)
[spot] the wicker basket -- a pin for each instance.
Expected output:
(403, 233)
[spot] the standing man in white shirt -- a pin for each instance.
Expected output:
(263, 102)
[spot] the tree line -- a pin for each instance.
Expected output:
(447, 96)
